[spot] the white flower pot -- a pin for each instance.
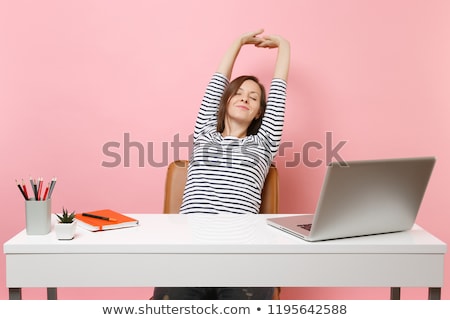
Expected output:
(65, 231)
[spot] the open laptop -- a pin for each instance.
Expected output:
(361, 198)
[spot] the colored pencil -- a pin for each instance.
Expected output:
(46, 192)
(21, 190)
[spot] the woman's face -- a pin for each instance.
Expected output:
(244, 106)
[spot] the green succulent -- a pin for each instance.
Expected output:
(66, 217)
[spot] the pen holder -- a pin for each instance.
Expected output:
(38, 216)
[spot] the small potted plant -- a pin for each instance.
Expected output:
(66, 225)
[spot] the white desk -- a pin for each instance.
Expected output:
(221, 250)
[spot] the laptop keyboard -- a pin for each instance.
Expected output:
(305, 226)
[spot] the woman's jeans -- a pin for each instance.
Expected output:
(207, 293)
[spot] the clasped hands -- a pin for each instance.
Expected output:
(266, 41)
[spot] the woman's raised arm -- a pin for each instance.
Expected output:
(227, 63)
(283, 57)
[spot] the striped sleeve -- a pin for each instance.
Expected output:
(207, 116)
(273, 121)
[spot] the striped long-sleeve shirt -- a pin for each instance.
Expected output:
(227, 174)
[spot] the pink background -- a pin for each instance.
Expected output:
(75, 75)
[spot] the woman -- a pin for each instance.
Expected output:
(237, 134)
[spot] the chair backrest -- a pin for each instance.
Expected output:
(176, 180)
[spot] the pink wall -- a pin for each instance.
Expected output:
(75, 75)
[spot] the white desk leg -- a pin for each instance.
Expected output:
(15, 293)
(52, 294)
(434, 293)
(395, 293)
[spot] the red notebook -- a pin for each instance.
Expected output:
(105, 219)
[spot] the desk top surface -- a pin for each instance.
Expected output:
(207, 233)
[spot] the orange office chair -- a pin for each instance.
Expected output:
(176, 180)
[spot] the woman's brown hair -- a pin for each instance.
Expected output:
(230, 91)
